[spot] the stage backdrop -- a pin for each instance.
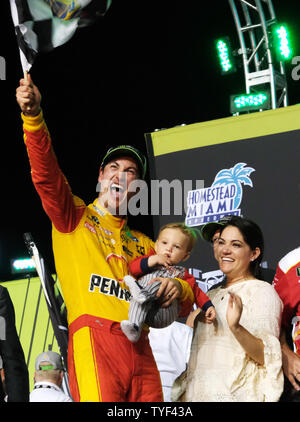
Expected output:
(32, 319)
(249, 165)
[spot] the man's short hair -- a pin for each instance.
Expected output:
(127, 150)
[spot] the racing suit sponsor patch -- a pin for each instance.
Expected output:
(108, 286)
(90, 227)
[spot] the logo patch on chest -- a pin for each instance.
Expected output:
(108, 286)
(90, 227)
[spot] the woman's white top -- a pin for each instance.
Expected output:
(219, 368)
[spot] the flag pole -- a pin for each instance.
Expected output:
(26, 79)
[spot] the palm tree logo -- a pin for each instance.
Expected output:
(237, 175)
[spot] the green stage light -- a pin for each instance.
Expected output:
(282, 42)
(248, 102)
(22, 265)
(225, 56)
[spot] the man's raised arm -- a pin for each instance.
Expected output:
(48, 179)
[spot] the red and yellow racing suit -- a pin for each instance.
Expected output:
(287, 284)
(92, 250)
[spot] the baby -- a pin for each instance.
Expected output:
(173, 246)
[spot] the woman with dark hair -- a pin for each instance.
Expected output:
(238, 358)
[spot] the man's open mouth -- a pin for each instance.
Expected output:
(117, 189)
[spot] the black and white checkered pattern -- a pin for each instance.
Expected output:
(42, 25)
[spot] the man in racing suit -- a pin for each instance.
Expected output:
(92, 247)
(287, 284)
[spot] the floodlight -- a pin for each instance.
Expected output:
(23, 265)
(224, 51)
(247, 102)
(282, 42)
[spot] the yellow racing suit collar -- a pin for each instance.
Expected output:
(117, 222)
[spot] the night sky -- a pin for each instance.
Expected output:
(146, 65)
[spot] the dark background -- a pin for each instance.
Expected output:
(148, 64)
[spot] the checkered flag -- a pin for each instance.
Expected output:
(42, 25)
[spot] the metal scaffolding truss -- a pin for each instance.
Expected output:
(253, 20)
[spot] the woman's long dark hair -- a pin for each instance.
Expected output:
(252, 235)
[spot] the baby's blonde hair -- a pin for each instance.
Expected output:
(187, 231)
